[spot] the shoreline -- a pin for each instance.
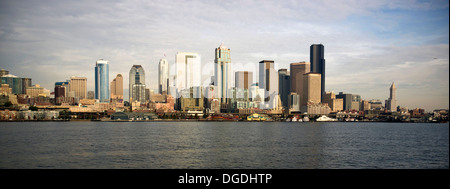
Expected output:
(201, 120)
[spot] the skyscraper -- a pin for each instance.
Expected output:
(102, 80)
(284, 86)
(79, 86)
(268, 79)
(137, 84)
(317, 59)
(391, 103)
(188, 71)
(298, 70)
(163, 76)
(222, 72)
(243, 79)
(311, 92)
(117, 87)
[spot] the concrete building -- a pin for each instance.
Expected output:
(79, 86)
(101, 80)
(243, 79)
(297, 72)
(222, 72)
(317, 59)
(163, 76)
(137, 84)
(117, 88)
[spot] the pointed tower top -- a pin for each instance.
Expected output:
(222, 46)
(393, 85)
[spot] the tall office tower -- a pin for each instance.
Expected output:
(117, 87)
(222, 72)
(318, 64)
(79, 86)
(298, 70)
(268, 79)
(137, 84)
(391, 103)
(163, 76)
(312, 87)
(102, 80)
(243, 79)
(284, 86)
(188, 71)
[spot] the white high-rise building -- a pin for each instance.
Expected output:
(222, 72)
(188, 71)
(268, 80)
(163, 76)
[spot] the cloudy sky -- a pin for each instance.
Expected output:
(368, 44)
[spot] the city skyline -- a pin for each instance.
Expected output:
(369, 44)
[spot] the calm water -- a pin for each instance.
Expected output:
(223, 145)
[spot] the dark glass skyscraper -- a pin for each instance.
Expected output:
(317, 60)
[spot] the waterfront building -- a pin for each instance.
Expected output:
(284, 86)
(79, 86)
(117, 88)
(243, 79)
(268, 80)
(391, 103)
(102, 80)
(313, 108)
(297, 72)
(163, 76)
(137, 84)
(294, 103)
(188, 71)
(222, 72)
(317, 59)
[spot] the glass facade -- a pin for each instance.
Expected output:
(102, 80)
